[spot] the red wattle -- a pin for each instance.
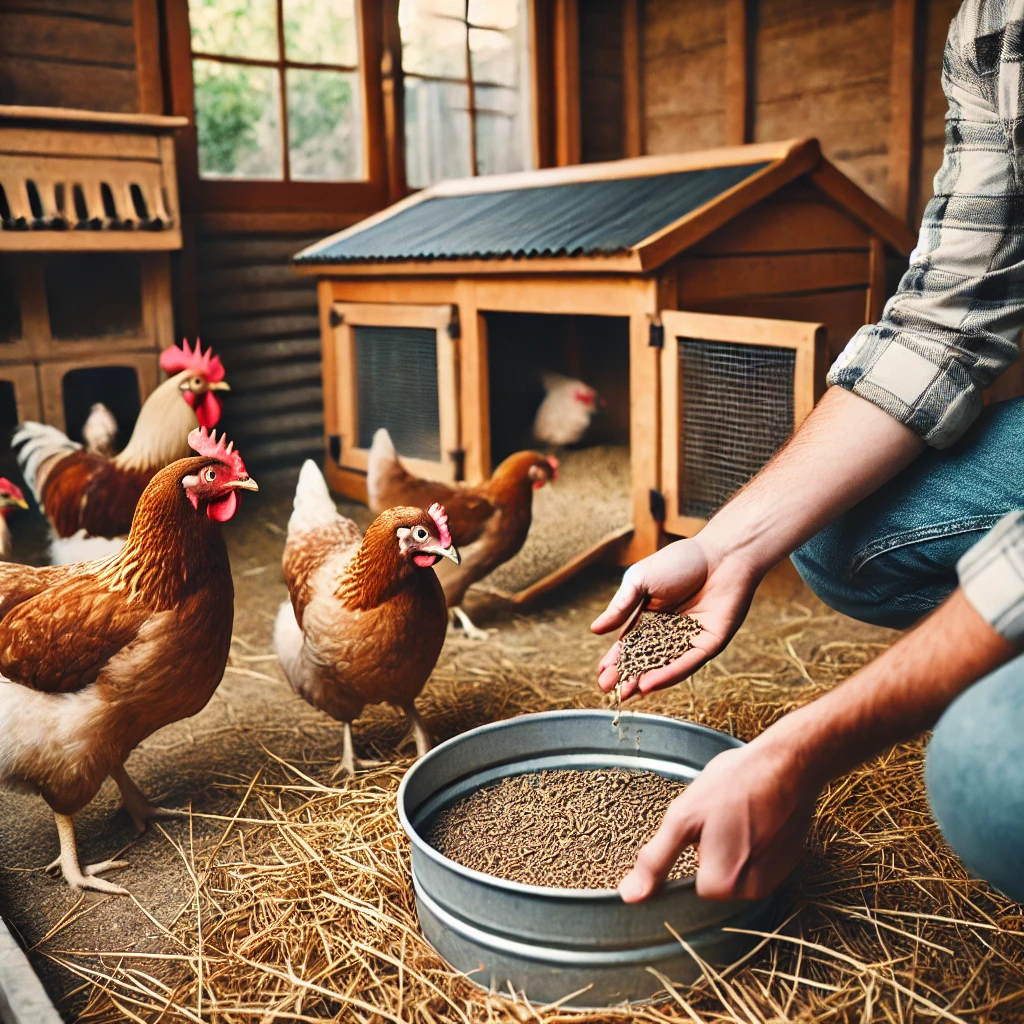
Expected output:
(426, 561)
(208, 410)
(224, 508)
(190, 398)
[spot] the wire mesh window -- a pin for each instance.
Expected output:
(396, 378)
(465, 68)
(736, 405)
(277, 89)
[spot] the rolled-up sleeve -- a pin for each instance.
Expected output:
(955, 322)
(992, 577)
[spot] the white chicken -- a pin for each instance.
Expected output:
(99, 432)
(566, 412)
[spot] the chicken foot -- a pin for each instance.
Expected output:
(472, 632)
(417, 731)
(78, 877)
(135, 803)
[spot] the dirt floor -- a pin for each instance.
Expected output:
(545, 657)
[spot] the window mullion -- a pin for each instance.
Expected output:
(285, 155)
(470, 100)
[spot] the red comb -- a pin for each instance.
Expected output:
(585, 397)
(440, 517)
(213, 448)
(12, 489)
(174, 360)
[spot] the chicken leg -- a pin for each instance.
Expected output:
(417, 731)
(76, 876)
(472, 632)
(135, 803)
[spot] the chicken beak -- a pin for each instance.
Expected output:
(245, 484)
(218, 385)
(451, 552)
(20, 503)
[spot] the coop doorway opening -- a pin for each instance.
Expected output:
(574, 369)
(117, 387)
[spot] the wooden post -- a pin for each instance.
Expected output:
(541, 81)
(474, 384)
(739, 20)
(909, 25)
(632, 82)
(394, 102)
(567, 82)
(876, 280)
(148, 66)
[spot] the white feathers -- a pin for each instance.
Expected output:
(564, 415)
(288, 642)
(382, 458)
(80, 547)
(36, 444)
(100, 430)
(313, 505)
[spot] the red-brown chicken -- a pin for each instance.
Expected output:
(366, 619)
(97, 656)
(90, 499)
(489, 522)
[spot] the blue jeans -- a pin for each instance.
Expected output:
(892, 559)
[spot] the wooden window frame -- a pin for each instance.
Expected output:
(256, 196)
(341, 399)
(808, 340)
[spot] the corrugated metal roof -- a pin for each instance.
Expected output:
(587, 218)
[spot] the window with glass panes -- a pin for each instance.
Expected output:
(277, 89)
(465, 67)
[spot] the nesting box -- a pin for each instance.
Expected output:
(88, 217)
(703, 294)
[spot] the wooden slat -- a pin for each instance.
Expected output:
(632, 80)
(276, 300)
(260, 353)
(723, 277)
(277, 398)
(567, 82)
(876, 282)
(287, 449)
(738, 108)
(308, 422)
(279, 373)
(51, 83)
(148, 68)
(273, 275)
(239, 250)
(250, 329)
(909, 27)
(76, 40)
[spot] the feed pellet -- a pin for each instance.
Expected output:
(657, 639)
(567, 828)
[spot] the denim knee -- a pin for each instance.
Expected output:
(974, 773)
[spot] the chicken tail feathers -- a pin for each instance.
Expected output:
(313, 505)
(37, 444)
(288, 642)
(381, 471)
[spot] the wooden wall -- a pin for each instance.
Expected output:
(602, 129)
(69, 53)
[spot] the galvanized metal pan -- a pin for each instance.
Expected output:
(551, 942)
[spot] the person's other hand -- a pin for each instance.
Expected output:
(683, 576)
(749, 810)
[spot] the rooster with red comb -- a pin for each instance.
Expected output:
(92, 655)
(90, 499)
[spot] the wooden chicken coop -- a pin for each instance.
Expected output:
(88, 217)
(703, 294)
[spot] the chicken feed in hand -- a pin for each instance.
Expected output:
(91, 655)
(366, 618)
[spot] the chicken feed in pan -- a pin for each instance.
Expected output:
(590, 502)
(569, 829)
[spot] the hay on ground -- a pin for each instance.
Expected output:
(302, 908)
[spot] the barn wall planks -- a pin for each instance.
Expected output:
(602, 128)
(262, 320)
(68, 53)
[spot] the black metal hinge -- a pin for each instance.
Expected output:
(657, 338)
(657, 504)
(334, 447)
(336, 317)
(454, 327)
(458, 457)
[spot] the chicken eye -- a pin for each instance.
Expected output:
(211, 475)
(419, 534)
(196, 382)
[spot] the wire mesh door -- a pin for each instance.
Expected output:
(733, 390)
(395, 366)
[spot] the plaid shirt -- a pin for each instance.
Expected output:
(955, 322)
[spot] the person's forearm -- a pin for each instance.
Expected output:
(844, 451)
(899, 695)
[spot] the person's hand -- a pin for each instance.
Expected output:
(749, 810)
(683, 576)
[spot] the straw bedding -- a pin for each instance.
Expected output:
(300, 905)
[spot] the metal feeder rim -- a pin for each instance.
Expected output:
(547, 891)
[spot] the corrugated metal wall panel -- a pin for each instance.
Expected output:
(261, 319)
(577, 219)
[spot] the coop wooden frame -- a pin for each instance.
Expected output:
(807, 340)
(341, 408)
